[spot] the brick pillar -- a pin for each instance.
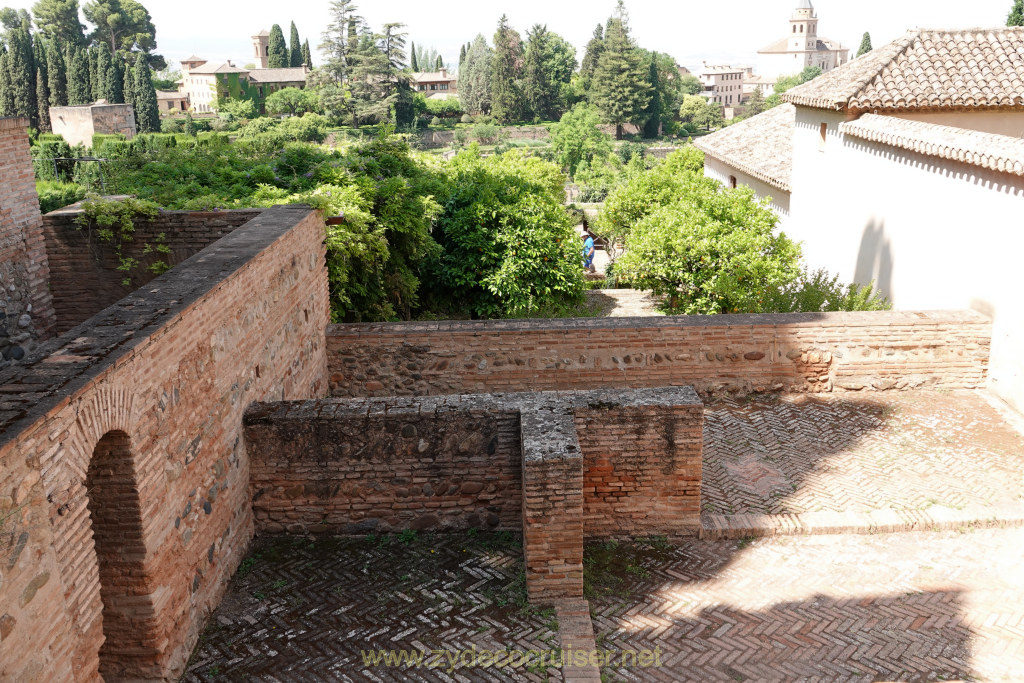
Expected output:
(25, 303)
(552, 506)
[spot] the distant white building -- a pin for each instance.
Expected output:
(802, 47)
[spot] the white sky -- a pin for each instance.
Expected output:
(720, 32)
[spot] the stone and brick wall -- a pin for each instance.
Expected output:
(77, 124)
(26, 311)
(84, 278)
(558, 465)
(799, 352)
(141, 408)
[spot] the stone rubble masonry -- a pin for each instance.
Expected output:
(26, 309)
(722, 354)
(143, 404)
(77, 124)
(84, 278)
(559, 465)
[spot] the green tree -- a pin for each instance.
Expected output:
(115, 81)
(22, 75)
(655, 109)
(414, 65)
(104, 71)
(475, 78)
(128, 89)
(235, 109)
(404, 107)
(1016, 16)
(620, 89)
(147, 111)
(755, 103)
(6, 94)
(125, 26)
(95, 78)
(58, 75)
(294, 47)
(690, 85)
(307, 55)
(43, 101)
(190, 125)
(277, 52)
(376, 74)
(865, 42)
(691, 108)
(592, 54)
(79, 87)
(11, 19)
(462, 56)
(711, 118)
(58, 20)
(439, 64)
(577, 139)
(506, 70)
(340, 46)
(549, 65)
(293, 101)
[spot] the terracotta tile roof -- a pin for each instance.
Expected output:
(217, 69)
(761, 146)
(294, 74)
(926, 69)
(193, 58)
(987, 150)
(432, 76)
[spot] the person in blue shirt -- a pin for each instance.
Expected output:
(588, 251)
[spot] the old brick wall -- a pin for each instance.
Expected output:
(559, 465)
(715, 354)
(84, 278)
(26, 311)
(153, 389)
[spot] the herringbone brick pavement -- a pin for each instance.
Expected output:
(892, 607)
(300, 610)
(858, 453)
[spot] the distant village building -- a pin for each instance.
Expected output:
(435, 84)
(904, 167)
(724, 84)
(802, 47)
(171, 101)
(203, 83)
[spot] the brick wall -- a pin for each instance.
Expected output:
(84, 278)
(715, 354)
(26, 311)
(140, 409)
(559, 465)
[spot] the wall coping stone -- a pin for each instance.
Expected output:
(841, 319)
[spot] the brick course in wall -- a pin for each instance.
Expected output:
(556, 464)
(26, 310)
(799, 352)
(84, 275)
(155, 386)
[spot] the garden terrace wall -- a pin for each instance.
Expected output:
(799, 352)
(140, 409)
(84, 275)
(26, 308)
(604, 463)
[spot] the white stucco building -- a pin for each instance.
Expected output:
(907, 168)
(723, 84)
(801, 47)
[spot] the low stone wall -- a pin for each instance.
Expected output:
(560, 465)
(799, 352)
(124, 501)
(84, 275)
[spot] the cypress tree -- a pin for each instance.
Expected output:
(414, 65)
(21, 75)
(295, 47)
(79, 87)
(506, 95)
(655, 109)
(307, 54)
(865, 44)
(462, 55)
(593, 53)
(147, 111)
(1016, 17)
(277, 50)
(43, 100)
(6, 95)
(129, 90)
(58, 75)
(620, 90)
(115, 80)
(102, 85)
(95, 75)
(190, 125)
(440, 64)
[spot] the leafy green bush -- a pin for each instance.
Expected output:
(710, 250)
(55, 195)
(100, 139)
(466, 118)
(435, 121)
(813, 292)
(509, 245)
(628, 151)
(44, 155)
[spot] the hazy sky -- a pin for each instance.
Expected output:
(720, 32)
